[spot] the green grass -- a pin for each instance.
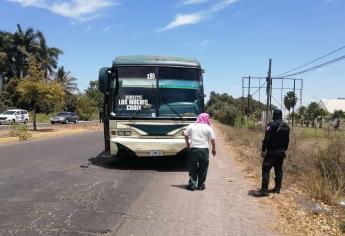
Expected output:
(41, 117)
(94, 116)
(310, 133)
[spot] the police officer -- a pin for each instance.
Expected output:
(274, 146)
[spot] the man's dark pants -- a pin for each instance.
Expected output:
(273, 158)
(198, 166)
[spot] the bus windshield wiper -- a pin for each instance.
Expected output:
(171, 108)
(135, 113)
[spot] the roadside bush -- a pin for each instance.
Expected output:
(229, 111)
(20, 131)
(24, 134)
(13, 130)
(330, 164)
(318, 187)
(86, 107)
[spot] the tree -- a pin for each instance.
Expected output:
(94, 94)
(6, 53)
(227, 109)
(25, 44)
(71, 102)
(47, 57)
(314, 111)
(12, 97)
(290, 100)
(36, 89)
(16, 49)
(337, 116)
(66, 80)
(302, 114)
(86, 107)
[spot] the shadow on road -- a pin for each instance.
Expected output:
(252, 193)
(42, 130)
(161, 164)
(182, 186)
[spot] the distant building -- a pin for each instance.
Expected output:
(331, 105)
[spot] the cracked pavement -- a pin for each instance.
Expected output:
(61, 187)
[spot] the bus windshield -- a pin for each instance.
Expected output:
(158, 92)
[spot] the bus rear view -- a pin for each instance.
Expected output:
(148, 102)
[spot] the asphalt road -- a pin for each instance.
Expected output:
(61, 186)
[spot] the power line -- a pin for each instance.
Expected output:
(318, 66)
(262, 86)
(330, 53)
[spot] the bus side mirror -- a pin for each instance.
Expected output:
(103, 79)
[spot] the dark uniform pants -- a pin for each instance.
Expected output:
(275, 159)
(197, 166)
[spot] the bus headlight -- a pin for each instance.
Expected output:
(124, 133)
(128, 133)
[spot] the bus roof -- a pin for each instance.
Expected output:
(155, 60)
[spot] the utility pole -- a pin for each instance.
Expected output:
(293, 108)
(248, 102)
(268, 93)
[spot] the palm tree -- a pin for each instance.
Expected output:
(290, 100)
(6, 45)
(48, 57)
(66, 80)
(315, 111)
(25, 44)
(302, 114)
(337, 116)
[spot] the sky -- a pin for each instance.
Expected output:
(230, 38)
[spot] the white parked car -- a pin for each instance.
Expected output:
(14, 116)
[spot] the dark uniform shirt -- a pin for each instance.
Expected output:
(274, 141)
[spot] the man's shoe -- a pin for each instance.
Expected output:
(190, 187)
(201, 187)
(275, 190)
(261, 193)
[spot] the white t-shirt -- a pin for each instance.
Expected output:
(200, 135)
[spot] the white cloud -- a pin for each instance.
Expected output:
(197, 17)
(193, 2)
(221, 5)
(184, 19)
(29, 3)
(76, 9)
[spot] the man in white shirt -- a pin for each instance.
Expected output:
(198, 136)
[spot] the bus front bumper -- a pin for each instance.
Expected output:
(146, 147)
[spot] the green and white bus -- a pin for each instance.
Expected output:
(148, 102)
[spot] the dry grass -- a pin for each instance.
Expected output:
(314, 171)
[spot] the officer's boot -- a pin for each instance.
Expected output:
(263, 192)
